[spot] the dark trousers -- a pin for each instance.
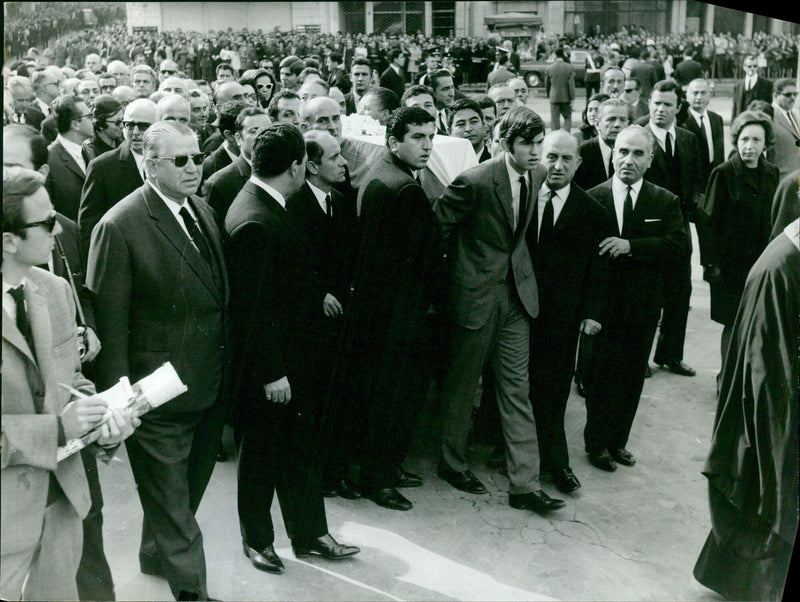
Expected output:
(172, 458)
(616, 378)
(553, 346)
(280, 453)
(94, 575)
(677, 292)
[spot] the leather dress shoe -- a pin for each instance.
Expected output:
(623, 456)
(465, 481)
(649, 372)
(342, 488)
(679, 368)
(497, 459)
(389, 497)
(603, 461)
(327, 547)
(566, 481)
(403, 478)
(538, 501)
(580, 386)
(330, 491)
(265, 560)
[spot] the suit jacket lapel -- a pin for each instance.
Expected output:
(70, 162)
(567, 211)
(503, 189)
(12, 334)
(283, 215)
(129, 167)
(39, 319)
(210, 229)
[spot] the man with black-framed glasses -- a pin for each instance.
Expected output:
(167, 69)
(752, 87)
(158, 274)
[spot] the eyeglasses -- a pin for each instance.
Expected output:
(115, 122)
(49, 224)
(626, 90)
(142, 125)
(264, 86)
(82, 117)
(789, 94)
(182, 160)
(168, 72)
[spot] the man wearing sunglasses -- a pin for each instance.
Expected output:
(752, 87)
(107, 121)
(167, 69)
(784, 153)
(114, 175)
(158, 274)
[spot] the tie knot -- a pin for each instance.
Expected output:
(184, 212)
(17, 293)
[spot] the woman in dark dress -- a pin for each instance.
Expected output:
(735, 225)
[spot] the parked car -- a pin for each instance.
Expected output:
(534, 71)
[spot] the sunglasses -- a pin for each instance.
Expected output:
(82, 117)
(264, 86)
(168, 72)
(789, 94)
(49, 224)
(115, 122)
(183, 160)
(142, 125)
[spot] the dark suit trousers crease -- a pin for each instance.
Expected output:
(677, 294)
(159, 453)
(94, 575)
(615, 381)
(280, 454)
(553, 346)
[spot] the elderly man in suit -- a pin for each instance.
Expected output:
(676, 167)
(632, 94)
(707, 127)
(752, 87)
(650, 234)
(66, 160)
(115, 175)
(483, 217)
(784, 153)
(394, 76)
(43, 500)
(224, 185)
(560, 88)
(563, 241)
(277, 315)
(158, 274)
(596, 164)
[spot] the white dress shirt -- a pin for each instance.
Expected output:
(9, 305)
(269, 190)
(139, 159)
(558, 199)
(320, 196)
(175, 208)
(620, 190)
(606, 151)
(514, 176)
(706, 125)
(661, 136)
(229, 151)
(74, 151)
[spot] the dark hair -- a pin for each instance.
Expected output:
(244, 114)
(746, 118)
(634, 80)
(520, 122)
(393, 54)
(275, 149)
(763, 106)
(360, 61)
(463, 104)
(485, 102)
(436, 76)
(560, 53)
(18, 184)
(387, 98)
(781, 84)
(224, 67)
(228, 114)
(273, 103)
(502, 58)
(397, 127)
(66, 111)
(417, 90)
(668, 85)
(313, 147)
(38, 144)
(105, 106)
(336, 57)
(303, 76)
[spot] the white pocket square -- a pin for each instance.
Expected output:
(657, 219)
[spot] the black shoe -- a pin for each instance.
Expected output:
(623, 456)
(265, 560)
(580, 386)
(403, 478)
(538, 501)
(566, 481)
(679, 368)
(649, 372)
(465, 481)
(497, 459)
(390, 498)
(348, 490)
(327, 547)
(603, 461)
(330, 490)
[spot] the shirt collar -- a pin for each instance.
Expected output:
(73, 149)
(513, 174)
(697, 115)
(319, 194)
(174, 206)
(561, 194)
(269, 190)
(229, 151)
(7, 287)
(621, 188)
(792, 231)
(661, 133)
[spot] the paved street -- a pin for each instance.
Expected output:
(630, 535)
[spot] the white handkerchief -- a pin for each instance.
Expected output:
(658, 219)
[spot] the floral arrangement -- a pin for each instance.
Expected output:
(361, 125)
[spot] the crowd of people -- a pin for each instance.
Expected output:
(204, 208)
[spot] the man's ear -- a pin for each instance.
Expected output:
(393, 143)
(10, 243)
(312, 167)
(44, 170)
(229, 136)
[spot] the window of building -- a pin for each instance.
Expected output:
(609, 16)
(399, 17)
(444, 18)
(353, 17)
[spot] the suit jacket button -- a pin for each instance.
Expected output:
(38, 393)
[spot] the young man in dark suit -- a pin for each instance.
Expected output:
(562, 239)
(161, 293)
(394, 76)
(227, 152)
(707, 127)
(649, 235)
(277, 314)
(752, 87)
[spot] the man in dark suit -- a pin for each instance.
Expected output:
(674, 167)
(646, 73)
(224, 185)
(330, 221)
(563, 241)
(596, 164)
(23, 98)
(560, 89)
(336, 74)
(441, 83)
(483, 217)
(360, 74)
(752, 87)
(225, 153)
(707, 127)
(394, 76)
(394, 284)
(67, 164)
(277, 314)
(632, 94)
(650, 233)
(784, 153)
(688, 69)
(113, 176)
(161, 294)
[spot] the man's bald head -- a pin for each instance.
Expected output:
(174, 85)
(174, 107)
(229, 92)
(322, 113)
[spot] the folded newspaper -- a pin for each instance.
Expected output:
(150, 392)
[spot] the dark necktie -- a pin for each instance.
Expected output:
(328, 206)
(704, 136)
(523, 202)
(611, 164)
(23, 325)
(546, 228)
(668, 146)
(196, 235)
(627, 212)
(790, 115)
